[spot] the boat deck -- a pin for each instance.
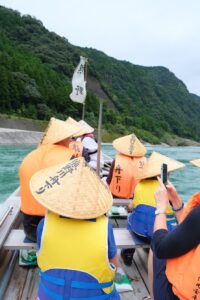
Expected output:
(23, 283)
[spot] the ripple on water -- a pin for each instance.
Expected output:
(186, 179)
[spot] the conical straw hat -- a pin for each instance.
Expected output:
(71, 189)
(153, 165)
(82, 129)
(72, 121)
(196, 162)
(129, 145)
(86, 125)
(57, 131)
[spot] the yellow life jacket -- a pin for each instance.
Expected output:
(77, 148)
(125, 173)
(183, 272)
(145, 194)
(142, 218)
(40, 158)
(79, 245)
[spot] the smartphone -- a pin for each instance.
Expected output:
(163, 173)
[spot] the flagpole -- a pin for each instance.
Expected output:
(99, 136)
(83, 111)
(85, 78)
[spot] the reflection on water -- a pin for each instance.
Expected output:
(186, 180)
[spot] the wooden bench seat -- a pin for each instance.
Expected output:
(123, 238)
(121, 202)
(16, 240)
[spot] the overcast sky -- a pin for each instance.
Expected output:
(144, 32)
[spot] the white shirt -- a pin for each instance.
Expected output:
(90, 144)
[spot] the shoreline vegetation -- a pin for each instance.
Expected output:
(15, 130)
(35, 75)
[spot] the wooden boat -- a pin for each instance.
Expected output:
(17, 282)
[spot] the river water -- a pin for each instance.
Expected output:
(186, 180)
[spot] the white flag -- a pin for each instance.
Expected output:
(78, 82)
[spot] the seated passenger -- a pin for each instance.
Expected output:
(143, 206)
(126, 167)
(77, 251)
(141, 220)
(53, 149)
(91, 145)
(176, 263)
(76, 145)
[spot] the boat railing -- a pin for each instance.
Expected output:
(9, 215)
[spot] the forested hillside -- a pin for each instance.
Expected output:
(36, 67)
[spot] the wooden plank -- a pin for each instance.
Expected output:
(10, 211)
(121, 223)
(5, 257)
(123, 239)
(31, 284)
(139, 288)
(24, 281)
(7, 262)
(121, 202)
(16, 239)
(140, 258)
(26, 286)
(17, 283)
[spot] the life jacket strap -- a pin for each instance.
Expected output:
(101, 297)
(52, 279)
(75, 284)
(170, 219)
(50, 293)
(92, 285)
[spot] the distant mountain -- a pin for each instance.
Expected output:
(36, 68)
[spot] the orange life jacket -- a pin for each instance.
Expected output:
(40, 158)
(183, 272)
(77, 148)
(125, 173)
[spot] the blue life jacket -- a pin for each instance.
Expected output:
(141, 220)
(63, 284)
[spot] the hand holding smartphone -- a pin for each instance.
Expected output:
(163, 173)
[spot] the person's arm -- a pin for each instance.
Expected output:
(112, 248)
(183, 238)
(114, 261)
(109, 177)
(175, 201)
(39, 232)
(85, 154)
(130, 206)
(161, 197)
(179, 241)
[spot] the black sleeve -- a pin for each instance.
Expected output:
(85, 154)
(109, 178)
(179, 241)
